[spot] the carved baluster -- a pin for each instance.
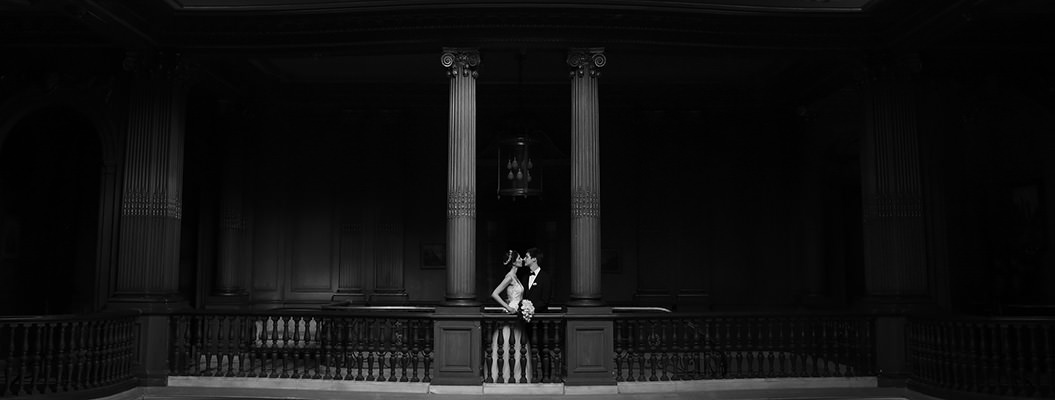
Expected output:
(227, 331)
(523, 349)
(428, 352)
(99, 348)
(1049, 358)
(667, 348)
(322, 362)
(384, 343)
(403, 349)
(314, 335)
(393, 348)
(88, 361)
(538, 333)
(216, 339)
(7, 331)
(924, 352)
(1020, 369)
(294, 349)
(178, 361)
(696, 346)
(416, 350)
(269, 355)
(945, 346)
(246, 338)
(277, 327)
(106, 351)
(618, 325)
(755, 357)
(254, 366)
(62, 381)
(962, 352)
(944, 356)
(554, 365)
(324, 354)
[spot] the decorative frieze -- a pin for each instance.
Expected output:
(138, 204)
(883, 206)
(461, 204)
(585, 203)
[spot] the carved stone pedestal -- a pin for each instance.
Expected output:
(458, 342)
(590, 354)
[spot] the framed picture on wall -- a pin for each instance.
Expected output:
(433, 255)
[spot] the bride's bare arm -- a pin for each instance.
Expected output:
(496, 294)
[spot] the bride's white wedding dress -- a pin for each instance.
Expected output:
(509, 344)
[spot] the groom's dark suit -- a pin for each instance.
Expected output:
(540, 292)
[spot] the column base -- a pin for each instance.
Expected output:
(585, 303)
(896, 304)
(230, 292)
(383, 298)
(230, 301)
(148, 303)
(654, 298)
(461, 303)
(351, 297)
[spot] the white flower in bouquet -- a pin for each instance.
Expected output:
(527, 310)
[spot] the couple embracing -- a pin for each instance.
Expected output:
(527, 291)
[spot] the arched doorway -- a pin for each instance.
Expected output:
(49, 213)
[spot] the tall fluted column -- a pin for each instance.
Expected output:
(152, 196)
(461, 176)
(894, 232)
(152, 205)
(585, 178)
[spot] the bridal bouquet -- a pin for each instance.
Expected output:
(527, 310)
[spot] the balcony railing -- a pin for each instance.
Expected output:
(360, 346)
(1012, 357)
(59, 354)
(946, 356)
(691, 347)
(397, 346)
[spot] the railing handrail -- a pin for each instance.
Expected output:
(102, 315)
(310, 312)
(980, 318)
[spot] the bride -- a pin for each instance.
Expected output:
(508, 341)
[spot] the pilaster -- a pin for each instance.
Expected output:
(893, 221)
(152, 190)
(147, 276)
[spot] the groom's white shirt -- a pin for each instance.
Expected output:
(531, 280)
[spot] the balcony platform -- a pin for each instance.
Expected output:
(190, 388)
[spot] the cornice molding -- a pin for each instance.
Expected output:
(705, 6)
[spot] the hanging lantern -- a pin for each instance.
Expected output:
(519, 174)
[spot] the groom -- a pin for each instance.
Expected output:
(536, 282)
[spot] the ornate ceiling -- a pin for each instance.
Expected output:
(776, 50)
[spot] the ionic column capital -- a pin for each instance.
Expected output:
(460, 61)
(586, 61)
(159, 65)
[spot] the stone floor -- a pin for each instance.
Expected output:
(316, 390)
